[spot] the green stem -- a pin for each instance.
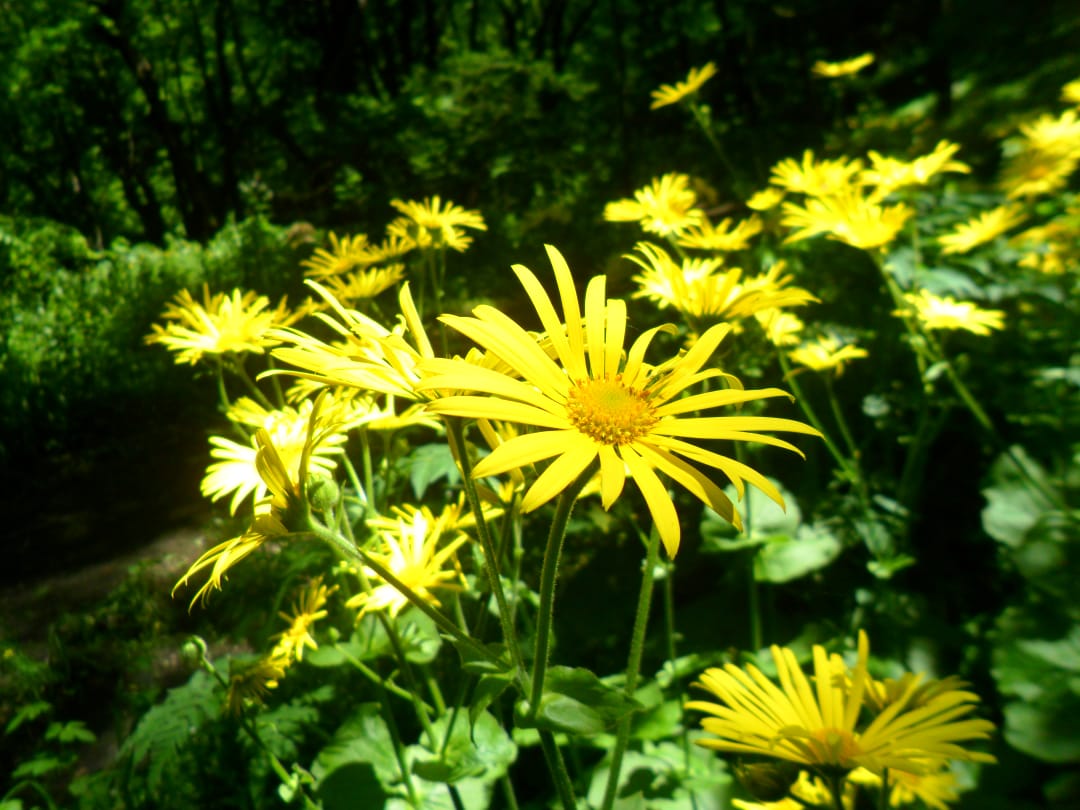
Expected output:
(849, 441)
(241, 372)
(633, 665)
(390, 626)
(548, 574)
(373, 676)
(455, 433)
(883, 797)
(558, 770)
(399, 749)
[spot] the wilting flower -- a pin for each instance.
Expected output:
(826, 354)
(251, 682)
(236, 471)
(982, 228)
(593, 402)
(815, 178)
(824, 725)
(307, 610)
(664, 206)
(722, 236)
(413, 549)
(221, 324)
(433, 224)
(672, 94)
(943, 312)
(848, 67)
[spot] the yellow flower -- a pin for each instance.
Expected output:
(889, 174)
(362, 284)
(597, 403)
(344, 255)
(826, 354)
(847, 217)
(369, 356)
(936, 788)
(1031, 172)
(695, 288)
(409, 549)
(1055, 136)
(222, 324)
(766, 199)
(947, 313)
(815, 178)
(432, 224)
(824, 725)
(781, 328)
(1070, 93)
(307, 610)
(848, 67)
(252, 682)
(664, 206)
(722, 236)
(268, 523)
(982, 228)
(672, 94)
(288, 428)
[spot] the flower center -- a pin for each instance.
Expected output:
(609, 412)
(835, 747)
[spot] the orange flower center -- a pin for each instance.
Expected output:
(835, 747)
(609, 412)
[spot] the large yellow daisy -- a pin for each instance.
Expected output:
(592, 402)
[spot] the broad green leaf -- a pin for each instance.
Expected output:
(785, 558)
(577, 702)
(487, 690)
(31, 711)
(480, 750)
(363, 739)
(427, 464)
(1050, 732)
(368, 641)
(37, 767)
(419, 636)
(1013, 506)
(73, 731)
(762, 517)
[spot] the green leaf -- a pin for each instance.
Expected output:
(368, 641)
(1013, 506)
(488, 689)
(351, 785)
(362, 739)
(473, 661)
(577, 702)
(74, 731)
(481, 750)
(37, 767)
(31, 711)
(1049, 732)
(427, 464)
(784, 558)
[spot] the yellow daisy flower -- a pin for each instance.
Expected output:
(1031, 172)
(823, 725)
(673, 94)
(766, 199)
(826, 354)
(723, 237)
(221, 324)
(935, 788)
(887, 174)
(307, 610)
(981, 229)
(360, 285)
(410, 550)
(344, 255)
(267, 525)
(1055, 136)
(599, 404)
(1070, 93)
(848, 67)
(252, 682)
(815, 178)
(664, 206)
(847, 217)
(433, 224)
(235, 472)
(781, 328)
(943, 312)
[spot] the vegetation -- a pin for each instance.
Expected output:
(755, 487)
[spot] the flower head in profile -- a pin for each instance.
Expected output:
(271, 517)
(434, 224)
(363, 284)
(345, 254)
(981, 229)
(847, 67)
(944, 312)
(665, 206)
(722, 236)
(1043, 156)
(593, 402)
(888, 174)
(417, 549)
(222, 324)
(846, 217)
(813, 177)
(251, 681)
(826, 354)
(673, 94)
(781, 328)
(235, 471)
(824, 724)
(766, 199)
(935, 787)
(307, 610)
